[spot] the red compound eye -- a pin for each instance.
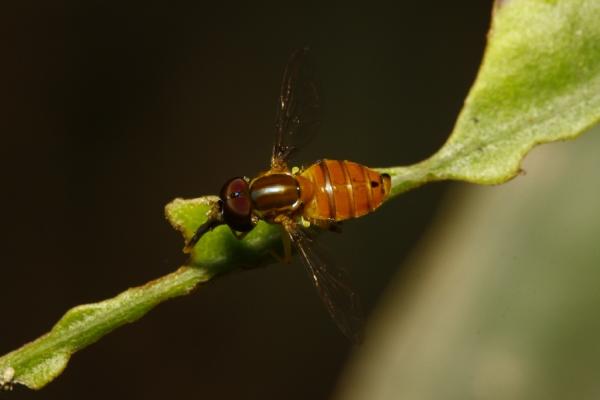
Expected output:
(237, 206)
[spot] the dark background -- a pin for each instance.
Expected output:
(111, 109)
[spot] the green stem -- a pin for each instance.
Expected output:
(38, 362)
(406, 178)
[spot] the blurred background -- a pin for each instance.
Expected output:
(500, 299)
(112, 109)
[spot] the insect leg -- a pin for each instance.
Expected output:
(287, 247)
(202, 229)
(286, 223)
(215, 219)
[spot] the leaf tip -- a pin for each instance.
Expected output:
(35, 374)
(180, 212)
(6, 378)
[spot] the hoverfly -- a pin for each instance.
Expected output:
(323, 194)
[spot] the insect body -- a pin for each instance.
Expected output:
(323, 194)
(342, 190)
(326, 192)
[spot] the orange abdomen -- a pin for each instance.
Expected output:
(342, 190)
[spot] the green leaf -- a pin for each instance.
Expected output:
(539, 82)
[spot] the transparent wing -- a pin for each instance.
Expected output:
(298, 108)
(333, 285)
